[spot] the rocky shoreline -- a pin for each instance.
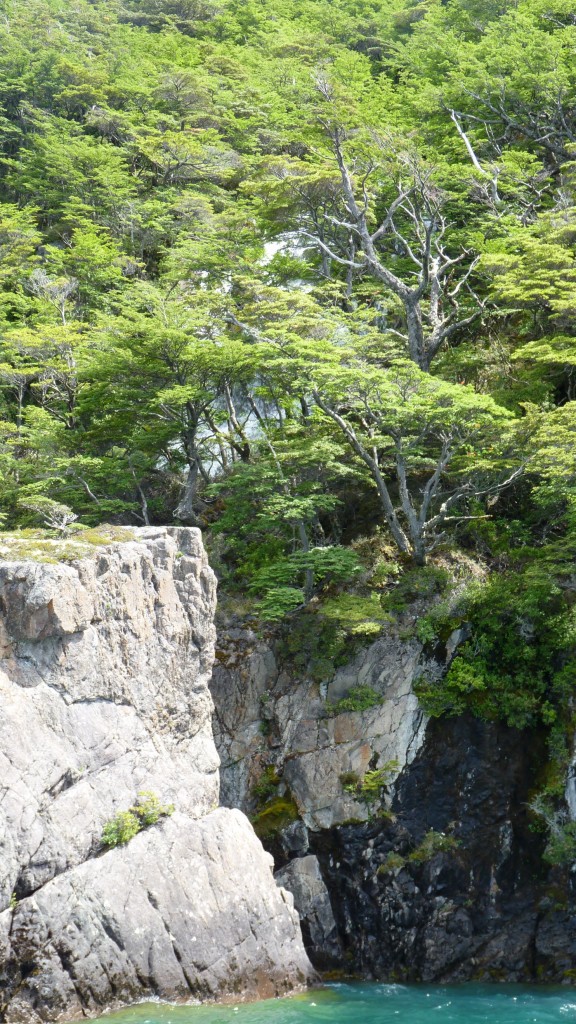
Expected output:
(104, 693)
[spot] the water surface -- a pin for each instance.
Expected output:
(377, 1004)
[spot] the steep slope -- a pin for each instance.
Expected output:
(432, 871)
(104, 687)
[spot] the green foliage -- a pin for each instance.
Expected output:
(275, 816)
(53, 514)
(354, 610)
(147, 811)
(438, 623)
(121, 829)
(279, 602)
(148, 808)
(560, 848)
(360, 698)
(326, 634)
(327, 565)
(266, 786)
(392, 862)
(433, 843)
(518, 664)
(369, 787)
(153, 348)
(421, 583)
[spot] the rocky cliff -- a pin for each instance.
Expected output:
(430, 870)
(104, 693)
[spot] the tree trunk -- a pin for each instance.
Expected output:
(416, 343)
(185, 508)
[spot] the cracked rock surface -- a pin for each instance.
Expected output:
(437, 877)
(313, 749)
(104, 676)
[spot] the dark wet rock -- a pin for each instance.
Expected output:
(478, 902)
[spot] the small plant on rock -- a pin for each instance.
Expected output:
(392, 862)
(369, 786)
(126, 824)
(149, 810)
(360, 698)
(121, 829)
(433, 843)
(267, 785)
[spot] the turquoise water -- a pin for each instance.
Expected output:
(377, 1004)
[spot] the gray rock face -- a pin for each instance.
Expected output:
(188, 907)
(103, 693)
(302, 877)
(441, 877)
(313, 749)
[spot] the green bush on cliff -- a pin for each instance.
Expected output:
(121, 829)
(420, 583)
(126, 824)
(360, 698)
(325, 635)
(275, 816)
(433, 843)
(267, 785)
(369, 786)
(519, 662)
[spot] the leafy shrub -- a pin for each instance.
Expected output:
(366, 631)
(384, 572)
(432, 843)
(360, 698)
(415, 584)
(279, 602)
(323, 636)
(369, 786)
(148, 808)
(438, 623)
(282, 582)
(265, 787)
(354, 610)
(126, 824)
(561, 846)
(376, 778)
(519, 663)
(121, 829)
(53, 514)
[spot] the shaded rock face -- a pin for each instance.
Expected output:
(104, 693)
(483, 909)
(303, 878)
(476, 900)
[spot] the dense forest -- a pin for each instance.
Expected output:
(303, 274)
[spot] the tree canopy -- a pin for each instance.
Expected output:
(256, 255)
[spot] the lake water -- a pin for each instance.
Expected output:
(377, 1004)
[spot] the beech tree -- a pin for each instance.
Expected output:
(427, 445)
(405, 247)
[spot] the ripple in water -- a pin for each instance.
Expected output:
(376, 1004)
